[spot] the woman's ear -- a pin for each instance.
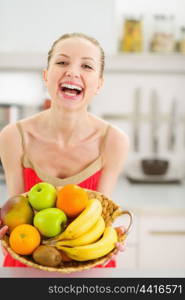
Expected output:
(45, 76)
(100, 84)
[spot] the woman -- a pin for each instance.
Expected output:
(65, 143)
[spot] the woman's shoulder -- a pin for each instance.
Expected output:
(11, 132)
(116, 141)
(10, 139)
(33, 120)
(8, 131)
(116, 148)
(114, 135)
(117, 134)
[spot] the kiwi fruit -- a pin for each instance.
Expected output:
(47, 256)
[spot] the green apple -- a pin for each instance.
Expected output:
(42, 195)
(50, 221)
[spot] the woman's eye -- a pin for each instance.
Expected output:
(85, 66)
(62, 63)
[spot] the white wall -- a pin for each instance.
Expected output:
(32, 26)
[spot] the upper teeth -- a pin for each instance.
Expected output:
(71, 86)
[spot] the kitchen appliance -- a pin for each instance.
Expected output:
(154, 169)
(154, 165)
(136, 175)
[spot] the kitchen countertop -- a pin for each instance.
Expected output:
(93, 273)
(150, 198)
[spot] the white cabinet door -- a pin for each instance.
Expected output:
(162, 243)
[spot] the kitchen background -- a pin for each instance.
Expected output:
(143, 94)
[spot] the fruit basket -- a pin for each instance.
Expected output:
(110, 211)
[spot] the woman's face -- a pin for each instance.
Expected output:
(73, 75)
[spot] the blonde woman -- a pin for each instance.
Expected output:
(65, 143)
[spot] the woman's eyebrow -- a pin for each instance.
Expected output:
(85, 57)
(61, 54)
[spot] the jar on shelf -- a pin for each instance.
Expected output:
(132, 39)
(163, 40)
(182, 40)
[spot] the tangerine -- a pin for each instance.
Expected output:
(24, 239)
(72, 199)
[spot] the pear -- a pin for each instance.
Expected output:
(16, 211)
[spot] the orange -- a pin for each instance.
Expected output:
(24, 239)
(72, 199)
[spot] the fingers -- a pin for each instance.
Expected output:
(3, 231)
(120, 230)
(120, 247)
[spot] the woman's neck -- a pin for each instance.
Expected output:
(69, 127)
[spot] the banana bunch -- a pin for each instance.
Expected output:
(94, 250)
(86, 237)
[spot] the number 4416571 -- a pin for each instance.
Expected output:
(161, 289)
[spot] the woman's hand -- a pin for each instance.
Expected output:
(119, 246)
(120, 231)
(3, 230)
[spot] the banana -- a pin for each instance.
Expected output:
(81, 224)
(92, 235)
(95, 250)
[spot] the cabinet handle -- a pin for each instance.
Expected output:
(165, 232)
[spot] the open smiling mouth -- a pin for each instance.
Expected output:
(71, 91)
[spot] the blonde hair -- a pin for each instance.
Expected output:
(83, 36)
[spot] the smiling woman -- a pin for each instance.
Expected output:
(82, 62)
(65, 144)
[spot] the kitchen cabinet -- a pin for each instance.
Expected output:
(155, 243)
(162, 241)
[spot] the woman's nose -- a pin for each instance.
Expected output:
(72, 71)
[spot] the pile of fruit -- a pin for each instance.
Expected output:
(57, 225)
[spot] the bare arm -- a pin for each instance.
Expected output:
(115, 155)
(10, 154)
